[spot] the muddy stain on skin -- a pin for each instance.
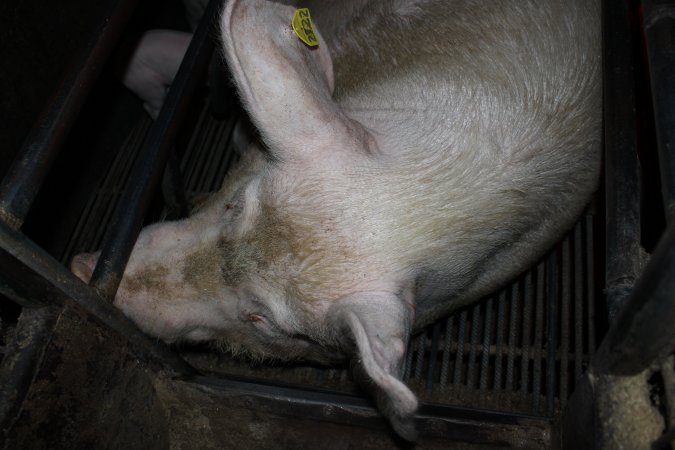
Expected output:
(152, 278)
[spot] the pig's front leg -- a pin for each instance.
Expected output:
(152, 66)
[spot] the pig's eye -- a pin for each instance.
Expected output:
(235, 206)
(233, 209)
(262, 323)
(255, 318)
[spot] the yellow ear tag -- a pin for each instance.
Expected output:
(303, 27)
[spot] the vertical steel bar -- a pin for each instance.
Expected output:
(622, 182)
(475, 330)
(552, 294)
(487, 340)
(173, 186)
(512, 344)
(127, 221)
(590, 284)
(565, 301)
(527, 344)
(457, 375)
(499, 345)
(445, 366)
(407, 368)
(659, 31)
(579, 274)
(538, 338)
(419, 363)
(433, 355)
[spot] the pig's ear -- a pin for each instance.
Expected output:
(285, 85)
(379, 324)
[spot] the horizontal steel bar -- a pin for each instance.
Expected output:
(453, 423)
(58, 284)
(28, 172)
(659, 30)
(146, 174)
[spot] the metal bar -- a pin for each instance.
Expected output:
(552, 294)
(622, 182)
(407, 367)
(512, 344)
(538, 338)
(590, 284)
(485, 360)
(173, 187)
(644, 330)
(579, 273)
(433, 355)
(527, 343)
(659, 31)
(44, 277)
(28, 172)
(499, 344)
(146, 173)
(203, 141)
(452, 423)
(445, 365)
(459, 357)
(419, 362)
(565, 301)
(472, 385)
(84, 238)
(226, 151)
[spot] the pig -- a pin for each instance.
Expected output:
(152, 66)
(424, 154)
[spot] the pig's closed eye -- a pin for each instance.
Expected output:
(233, 209)
(262, 323)
(252, 317)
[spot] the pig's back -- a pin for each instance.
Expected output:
(490, 111)
(425, 72)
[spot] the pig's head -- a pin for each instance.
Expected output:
(279, 263)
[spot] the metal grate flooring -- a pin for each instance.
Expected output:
(519, 350)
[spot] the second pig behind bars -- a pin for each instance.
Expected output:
(420, 157)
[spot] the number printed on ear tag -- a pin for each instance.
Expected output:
(303, 27)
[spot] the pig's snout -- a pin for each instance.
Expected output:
(83, 265)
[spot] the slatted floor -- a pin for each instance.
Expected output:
(519, 350)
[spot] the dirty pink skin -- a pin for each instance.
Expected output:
(422, 156)
(153, 65)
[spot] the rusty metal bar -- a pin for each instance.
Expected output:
(146, 174)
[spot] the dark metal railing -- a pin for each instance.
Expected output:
(146, 174)
(641, 330)
(622, 176)
(659, 30)
(28, 274)
(45, 140)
